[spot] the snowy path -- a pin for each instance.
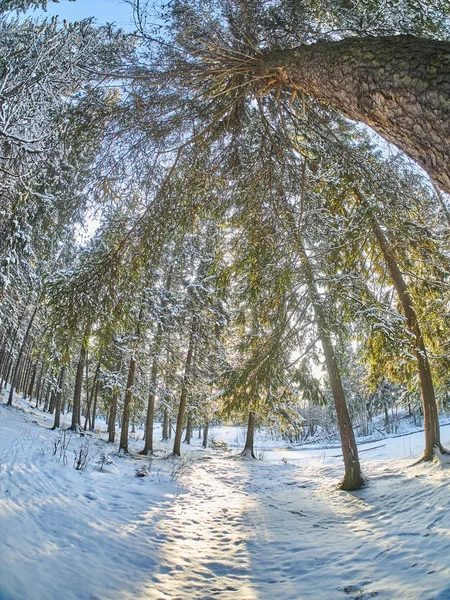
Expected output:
(241, 530)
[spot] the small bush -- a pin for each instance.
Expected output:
(104, 460)
(60, 446)
(143, 471)
(81, 459)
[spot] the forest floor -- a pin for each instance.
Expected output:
(215, 526)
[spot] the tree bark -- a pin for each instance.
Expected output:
(430, 412)
(205, 435)
(353, 479)
(123, 445)
(94, 408)
(188, 435)
(26, 374)
(250, 437)
(76, 408)
(148, 444)
(59, 392)
(184, 388)
(398, 85)
(87, 420)
(16, 368)
(165, 427)
(112, 417)
(32, 381)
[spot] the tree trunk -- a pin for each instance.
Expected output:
(40, 385)
(112, 417)
(205, 435)
(430, 412)
(187, 437)
(148, 444)
(16, 368)
(184, 388)
(87, 420)
(94, 408)
(165, 428)
(398, 85)
(52, 403)
(32, 381)
(9, 357)
(47, 394)
(26, 375)
(3, 353)
(250, 437)
(59, 392)
(352, 477)
(76, 408)
(123, 445)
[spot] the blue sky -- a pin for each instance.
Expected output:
(105, 11)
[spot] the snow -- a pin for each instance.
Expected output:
(222, 527)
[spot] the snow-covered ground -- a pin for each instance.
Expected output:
(214, 526)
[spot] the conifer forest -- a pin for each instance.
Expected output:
(225, 300)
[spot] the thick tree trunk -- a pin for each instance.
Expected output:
(398, 85)
(123, 445)
(76, 408)
(184, 388)
(430, 411)
(353, 479)
(250, 437)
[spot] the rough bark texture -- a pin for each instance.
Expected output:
(250, 437)
(398, 85)
(430, 411)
